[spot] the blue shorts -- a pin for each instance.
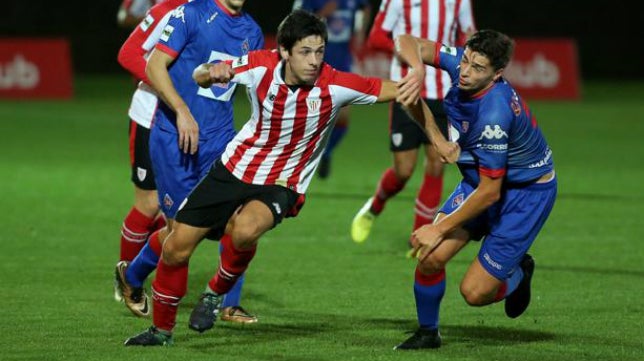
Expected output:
(177, 173)
(509, 227)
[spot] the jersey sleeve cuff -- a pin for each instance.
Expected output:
(492, 173)
(168, 50)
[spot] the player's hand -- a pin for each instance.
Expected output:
(188, 131)
(424, 241)
(410, 86)
(448, 151)
(221, 73)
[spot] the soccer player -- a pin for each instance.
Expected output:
(132, 12)
(450, 22)
(507, 191)
(340, 17)
(266, 168)
(191, 126)
(144, 217)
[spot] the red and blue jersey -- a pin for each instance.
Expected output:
(497, 132)
(198, 32)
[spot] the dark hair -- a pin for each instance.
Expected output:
(298, 25)
(496, 46)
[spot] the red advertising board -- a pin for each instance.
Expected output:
(540, 68)
(545, 69)
(35, 68)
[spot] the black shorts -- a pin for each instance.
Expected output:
(218, 195)
(406, 133)
(142, 174)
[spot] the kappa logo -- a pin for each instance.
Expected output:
(167, 31)
(397, 139)
(179, 14)
(212, 17)
(313, 104)
(145, 24)
(277, 207)
(496, 133)
(141, 173)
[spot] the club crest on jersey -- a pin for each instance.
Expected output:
(167, 31)
(245, 46)
(145, 24)
(448, 50)
(313, 104)
(141, 173)
(465, 126)
(516, 108)
(179, 14)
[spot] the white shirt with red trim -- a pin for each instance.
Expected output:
(289, 126)
(133, 57)
(443, 21)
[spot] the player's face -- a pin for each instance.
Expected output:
(304, 61)
(234, 5)
(476, 72)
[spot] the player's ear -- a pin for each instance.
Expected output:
(498, 74)
(283, 52)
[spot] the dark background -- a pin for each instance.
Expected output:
(608, 34)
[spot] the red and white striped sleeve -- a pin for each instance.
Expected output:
(133, 52)
(379, 36)
(349, 88)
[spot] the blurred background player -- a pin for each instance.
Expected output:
(347, 23)
(182, 147)
(450, 22)
(144, 217)
(132, 12)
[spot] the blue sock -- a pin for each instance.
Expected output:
(513, 282)
(232, 298)
(141, 267)
(428, 291)
(337, 134)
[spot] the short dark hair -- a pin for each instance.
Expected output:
(496, 46)
(298, 25)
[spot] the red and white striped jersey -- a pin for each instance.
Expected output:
(442, 21)
(289, 126)
(133, 57)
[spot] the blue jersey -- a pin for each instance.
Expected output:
(497, 132)
(340, 29)
(199, 32)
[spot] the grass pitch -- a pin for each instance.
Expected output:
(65, 190)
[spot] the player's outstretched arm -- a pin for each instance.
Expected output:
(208, 74)
(448, 151)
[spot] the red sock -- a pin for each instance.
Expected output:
(134, 233)
(428, 280)
(168, 287)
(388, 187)
(155, 243)
(159, 223)
(428, 200)
(500, 294)
(232, 264)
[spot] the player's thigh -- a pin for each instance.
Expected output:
(253, 220)
(449, 247)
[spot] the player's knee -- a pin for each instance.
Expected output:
(404, 172)
(176, 253)
(245, 234)
(432, 264)
(474, 296)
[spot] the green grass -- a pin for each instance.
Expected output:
(65, 189)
